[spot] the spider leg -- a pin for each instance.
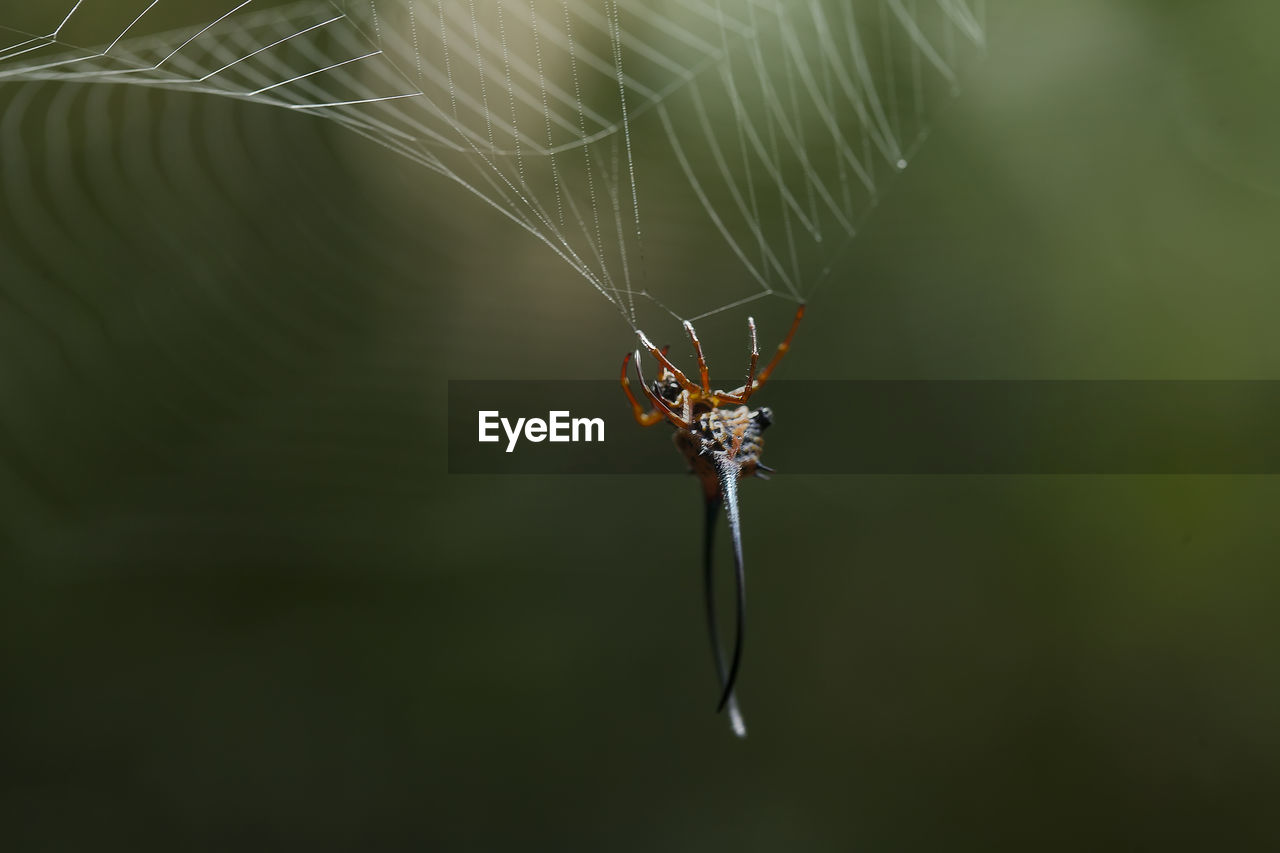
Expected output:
(728, 474)
(782, 350)
(661, 356)
(750, 387)
(702, 362)
(642, 417)
(744, 393)
(659, 404)
(709, 597)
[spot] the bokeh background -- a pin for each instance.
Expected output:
(242, 603)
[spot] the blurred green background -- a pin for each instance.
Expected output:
(243, 605)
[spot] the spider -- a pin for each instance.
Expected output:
(722, 440)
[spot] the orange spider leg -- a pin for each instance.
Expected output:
(661, 356)
(744, 393)
(662, 406)
(755, 359)
(702, 362)
(782, 350)
(642, 417)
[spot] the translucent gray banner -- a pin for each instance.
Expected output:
(890, 427)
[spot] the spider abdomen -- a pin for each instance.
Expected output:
(736, 433)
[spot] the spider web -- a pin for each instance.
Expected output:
(785, 117)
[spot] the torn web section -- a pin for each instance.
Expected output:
(599, 127)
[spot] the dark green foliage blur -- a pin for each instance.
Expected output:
(243, 606)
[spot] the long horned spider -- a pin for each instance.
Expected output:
(722, 441)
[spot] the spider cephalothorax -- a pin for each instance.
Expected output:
(707, 420)
(721, 439)
(666, 387)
